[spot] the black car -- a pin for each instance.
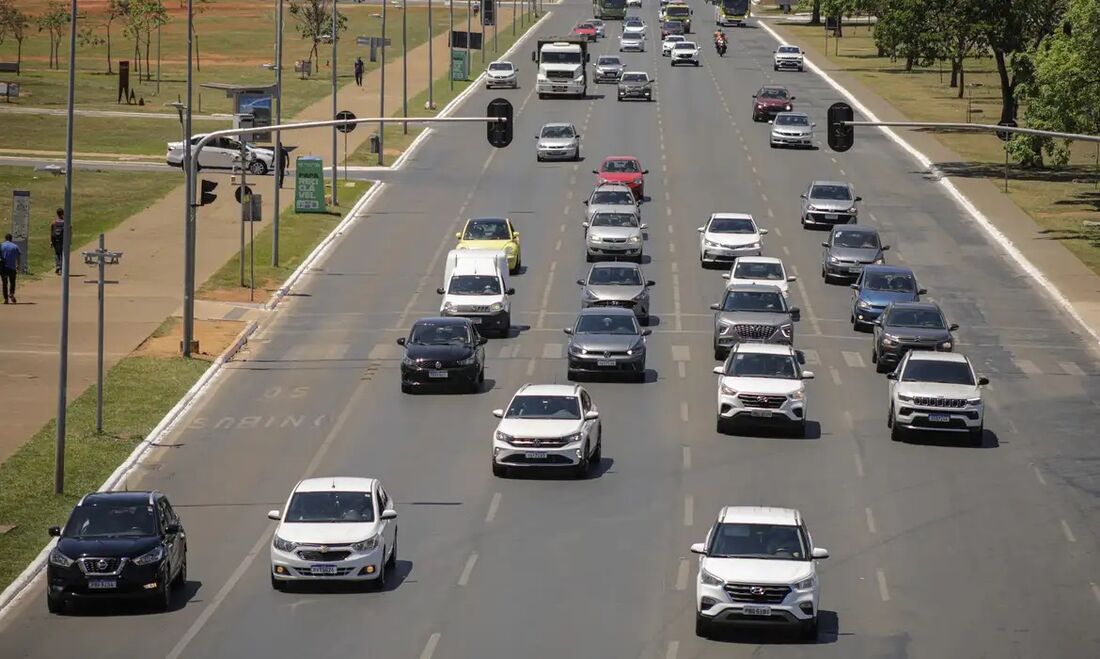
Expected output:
(905, 326)
(126, 545)
(444, 352)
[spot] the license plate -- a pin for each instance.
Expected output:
(437, 374)
(605, 362)
(830, 216)
(535, 456)
(475, 320)
(939, 418)
(102, 584)
(855, 268)
(323, 569)
(763, 414)
(757, 610)
(559, 89)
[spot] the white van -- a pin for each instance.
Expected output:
(476, 286)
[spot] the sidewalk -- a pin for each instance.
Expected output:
(150, 275)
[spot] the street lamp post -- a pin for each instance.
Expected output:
(382, 95)
(469, 30)
(334, 110)
(405, 63)
(431, 60)
(278, 134)
(100, 258)
(450, 63)
(189, 203)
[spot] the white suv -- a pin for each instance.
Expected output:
(762, 382)
(760, 270)
(757, 568)
(787, 57)
(938, 392)
(548, 425)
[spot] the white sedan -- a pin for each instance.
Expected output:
(685, 52)
(670, 41)
(223, 153)
(335, 529)
(760, 270)
(727, 236)
(548, 425)
(501, 73)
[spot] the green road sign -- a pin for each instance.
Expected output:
(460, 65)
(309, 185)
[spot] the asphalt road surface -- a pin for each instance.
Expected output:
(937, 550)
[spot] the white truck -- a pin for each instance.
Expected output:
(562, 66)
(476, 286)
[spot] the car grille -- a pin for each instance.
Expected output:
(768, 402)
(937, 401)
(472, 308)
(614, 241)
(322, 556)
(308, 572)
(559, 75)
(520, 459)
(757, 594)
(546, 442)
(754, 332)
(99, 565)
(628, 304)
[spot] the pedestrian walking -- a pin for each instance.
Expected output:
(57, 238)
(359, 71)
(10, 259)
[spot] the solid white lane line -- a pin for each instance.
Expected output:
(689, 510)
(546, 295)
(1095, 592)
(870, 521)
(494, 505)
(505, 352)
(530, 367)
(681, 368)
(687, 457)
(673, 649)
(1071, 369)
(683, 411)
(883, 591)
(464, 578)
(853, 359)
(859, 465)
(681, 353)
(682, 574)
(1068, 531)
(429, 649)
(1038, 475)
(836, 375)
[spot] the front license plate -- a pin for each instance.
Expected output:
(475, 320)
(535, 456)
(323, 569)
(102, 584)
(559, 89)
(437, 374)
(830, 216)
(939, 418)
(605, 362)
(763, 414)
(854, 269)
(757, 610)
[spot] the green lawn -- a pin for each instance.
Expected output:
(101, 201)
(137, 137)
(138, 391)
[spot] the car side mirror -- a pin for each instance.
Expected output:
(854, 287)
(885, 247)
(699, 548)
(510, 291)
(585, 202)
(595, 172)
(498, 414)
(922, 291)
(534, 56)
(725, 275)
(718, 370)
(700, 229)
(401, 341)
(389, 513)
(754, 95)
(982, 381)
(771, 121)
(458, 235)
(647, 332)
(172, 529)
(715, 306)
(763, 232)
(824, 243)
(584, 224)
(877, 321)
(274, 514)
(580, 282)
(819, 553)
(953, 327)
(796, 313)
(481, 340)
(644, 227)
(803, 195)
(515, 234)
(568, 330)
(859, 198)
(439, 290)
(591, 415)
(893, 375)
(794, 98)
(54, 531)
(792, 278)
(807, 375)
(650, 282)
(645, 171)
(813, 125)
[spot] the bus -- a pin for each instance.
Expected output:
(609, 9)
(679, 12)
(731, 12)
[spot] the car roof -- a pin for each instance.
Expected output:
(731, 216)
(788, 45)
(549, 390)
(757, 259)
(502, 61)
(339, 483)
(792, 114)
(764, 348)
(927, 306)
(740, 287)
(626, 73)
(131, 498)
(606, 311)
(774, 87)
(759, 515)
(844, 184)
(612, 184)
(443, 320)
(626, 265)
(935, 356)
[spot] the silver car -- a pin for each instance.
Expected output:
(825, 203)
(612, 197)
(599, 25)
(609, 68)
(635, 84)
(614, 234)
(848, 249)
(792, 129)
(501, 74)
(685, 52)
(613, 284)
(752, 312)
(558, 141)
(607, 341)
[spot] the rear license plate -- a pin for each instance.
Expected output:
(535, 456)
(605, 362)
(437, 374)
(102, 584)
(475, 320)
(323, 569)
(757, 610)
(830, 216)
(763, 414)
(939, 418)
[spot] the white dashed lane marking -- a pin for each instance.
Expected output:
(853, 359)
(464, 578)
(1068, 531)
(551, 351)
(883, 591)
(429, 649)
(1071, 368)
(494, 505)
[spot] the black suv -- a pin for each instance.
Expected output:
(905, 326)
(117, 545)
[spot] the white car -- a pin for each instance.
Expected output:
(936, 392)
(791, 129)
(762, 383)
(223, 153)
(670, 41)
(334, 529)
(633, 3)
(501, 73)
(787, 57)
(757, 566)
(727, 236)
(632, 39)
(760, 270)
(548, 425)
(685, 52)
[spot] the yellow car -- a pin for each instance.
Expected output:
(492, 233)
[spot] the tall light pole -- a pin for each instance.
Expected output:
(451, 61)
(278, 134)
(469, 30)
(405, 63)
(63, 347)
(189, 203)
(515, 19)
(334, 110)
(382, 96)
(431, 60)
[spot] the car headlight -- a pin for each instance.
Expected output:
(472, 359)
(710, 243)
(905, 398)
(154, 555)
(59, 559)
(408, 361)
(888, 340)
(284, 545)
(370, 544)
(811, 207)
(709, 579)
(637, 179)
(946, 345)
(636, 350)
(755, 245)
(879, 261)
(574, 438)
(635, 239)
(510, 247)
(643, 294)
(503, 437)
(577, 350)
(864, 304)
(727, 390)
(853, 209)
(786, 330)
(974, 401)
(594, 239)
(833, 259)
(788, 107)
(448, 307)
(759, 106)
(464, 245)
(496, 306)
(805, 584)
(798, 395)
(589, 295)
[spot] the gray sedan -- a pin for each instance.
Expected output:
(607, 341)
(848, 249)
(614, 235)
(614, 284)
(825, 203)
(792, 129)
(612, 197)
(558, 141)
(609, 68)
(635, 84)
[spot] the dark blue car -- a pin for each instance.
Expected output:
(878, 286)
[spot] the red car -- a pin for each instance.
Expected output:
(770, 101)
(623, 169)
(586, 30)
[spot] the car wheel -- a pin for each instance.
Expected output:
(541, 96)
(809, 631)
(644, 320)
(775, 68)
(570, 375)
(882, 367)
(164, 599)
(538, 158)
(800, 69)
(392, 560)
(771, 144)
(620, 97)
(874, 356)
(589, 258)
(697, 64)
(506, 326)
(55, 604)
(719, 424)
(583, 467)
(499, 470)
(597, 455)
(406, 389)
(719, 354)
(181, 576)
(257, 167)
(896, 434)
(890, 418)
(803, 220)
(381, 581)
(800, 430)
(977, 436)
(276, 584)
(702, 626)
(824, 275)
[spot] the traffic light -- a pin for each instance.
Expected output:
(841, 137)
(500, 131)
(207, 196)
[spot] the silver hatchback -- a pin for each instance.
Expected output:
(558, 141)
(826, 203)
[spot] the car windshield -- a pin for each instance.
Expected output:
(612, 198)
(111, 520)
(792, 120)
(632, 20)
(557, 131)
(678, 11)
(559, 58)
(585, 26)
(788, 49)
(771, 92)
(633, 32)
(758, 365)
(614, 220)
(927, 370)
(769, 271)
(754, 301)
(615, 277)
(765, 541)
(431, 334)
(880, 281)
(684, 45)
(621, 166)
(831, 192)
(593, 324)
(731, 225)
(674, 38)
(856, 239)
(500, 66)
(544, 407)
(474, 285)
(329, 507)
(919, 318)
(608, 61)
(634, 77)
(486, 230)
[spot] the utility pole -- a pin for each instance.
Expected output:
(469, 30)
(189, 204)
(160, 5)
(382, 96)
(451, 61)
(405, 63)
(431, 61)
(278, 134)
(243, 194)
(100, 258)
(334, 110)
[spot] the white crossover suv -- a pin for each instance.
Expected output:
(757, 567)
(760, 270)
(938, 392)
(762, 383)
(788, 57)
(334, 529)
(685, 52)
(548, 425)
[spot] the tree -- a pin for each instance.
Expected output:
(909, 29)
(114, 10)
(54, 20)
(1014, 29)
(15, 23)
(1063, 91)
(314, 22)
(155, 17)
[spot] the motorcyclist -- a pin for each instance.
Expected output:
(720, 41)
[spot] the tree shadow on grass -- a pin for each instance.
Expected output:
(1084, 174)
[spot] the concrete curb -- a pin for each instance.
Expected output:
(995, 234)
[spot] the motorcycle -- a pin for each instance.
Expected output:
(720, 46)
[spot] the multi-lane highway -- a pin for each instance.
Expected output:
(937, 550)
